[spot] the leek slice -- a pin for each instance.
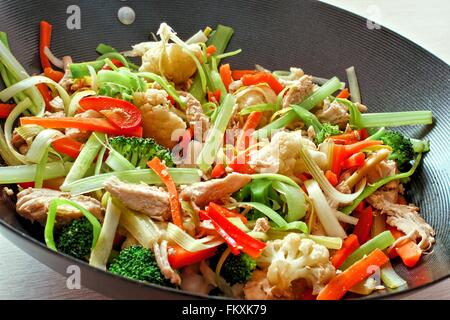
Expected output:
(185, 241)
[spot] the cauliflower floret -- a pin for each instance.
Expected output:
(158, 121)
(282, 154)
(294, 258)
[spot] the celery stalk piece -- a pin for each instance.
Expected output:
(390, 278)
(26, 173)
(371, 188)
(89, 184)
(385, 119)
(102, 250)
(85, 158)
(215, 136)
(308, 118)
(381, 241)
(220, 39)
(310, 102)
(355, 94)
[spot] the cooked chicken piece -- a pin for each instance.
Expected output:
(385, 168)
(302, 88)
(198, 121)
(78, 134)
(66, 82)
(57, 104)
(258, 288)
(261, 225)
(160, 251)
(193, 281)
(404, 218)
(33, 204)
(149, 200)
(205, 192)
(234, 86)
(159, 122)
(295, 74)
(336, 113)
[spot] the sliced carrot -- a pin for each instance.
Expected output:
(53, 74)
(332, 177)
(210, 50)
(408, 251)
(163, 172)
(354, 161)
(218, 171)
(349, 245)
(359, 271)
(225, 74)
(238, 74)
(344, 94)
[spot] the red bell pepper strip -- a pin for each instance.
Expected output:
(364, 225)
(359, 271)
(5, 110)
(67, 146)
(121, 113)
(115, 62)
(214, 96)
(163, 172)
(248, 244)
(45, 39)
(349, 245)
(343, 152)
(218, 171)
(231, 214)
(354, 161)
(238, 74)
(232, 243)
(85, 124)
(179, 257)
(225, 75)
(260, 77)
(53, 74)
(344, 94)
(408, 251)
(46, 95)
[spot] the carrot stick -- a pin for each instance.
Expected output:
(238, 74)
(349, 245)
(162, 171)
(359, 271)
(218, 171)
(332, 177)
(243, 140)
(408, 251)
(344, 94)
(225, 74)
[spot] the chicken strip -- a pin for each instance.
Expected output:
(405, 218)
(149, 200)
(301, 88)
(162, 260)
(203, 193)
(198, 121)
(33, 204)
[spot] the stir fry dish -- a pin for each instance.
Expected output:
(166, 165)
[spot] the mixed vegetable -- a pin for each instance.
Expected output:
(182, 171)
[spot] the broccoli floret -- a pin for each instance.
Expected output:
(75, 239)
(402, 148)
(140, 150)
(326, 131)
(235, 269)
(139, 263)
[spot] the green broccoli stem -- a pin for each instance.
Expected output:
(385, 119)
(220, 39)
(371, 188)
(310, 102)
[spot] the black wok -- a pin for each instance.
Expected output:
(394, 75)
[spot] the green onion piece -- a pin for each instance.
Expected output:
(215, 136)
(165, 85)
(258, 107)
(310, 102)
(308, 118)
(390, 278)
(334, 243)
(89, 184)
(80, 70)
(295, 199)
(103, 48)
(381, 241)
(99, 163)
(102, 250)
(40, 170)
(51, 217)
(270, 213)
(368, 190)
(85, 159)
(115, 55)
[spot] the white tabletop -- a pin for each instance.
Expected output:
(425, 23)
